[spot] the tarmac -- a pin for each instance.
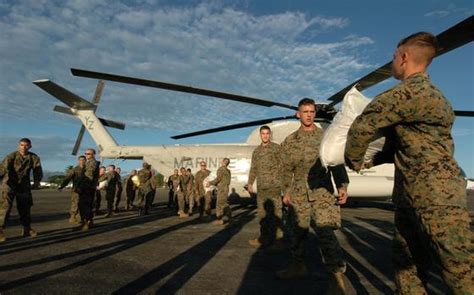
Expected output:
(161, 253)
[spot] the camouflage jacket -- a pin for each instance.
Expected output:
(129, 185)
(302, 174)
(73, 175)
(119, 181)
(144, 175)
(113, 181)
(174, 182)
(184, 182)
(17, 171)
(419, 119)
(265, 167)
(222, 180)
(199, 181)
(102, 178)
(89, 179)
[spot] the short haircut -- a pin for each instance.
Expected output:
(306, 101)
(24, 139)
(227, 160)
(81, 157)
(92, 150)
(265, 127)
(189, 169)
(102, 167)
(113, 166)
(427, 44)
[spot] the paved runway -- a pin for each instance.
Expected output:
(161, 253)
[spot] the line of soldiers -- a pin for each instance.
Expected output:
(431, 218)
(195, 191)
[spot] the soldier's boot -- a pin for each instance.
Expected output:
(110, 213)
(72, 219)
(277, 247)
(190, 211)
(255, 243)
(182, 214)
(29, 232)
(86, 226)
(295, 270)
(218, 222)
(3, 238)
(337, 286)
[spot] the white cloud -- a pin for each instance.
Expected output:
(205, 46)
(449, 10)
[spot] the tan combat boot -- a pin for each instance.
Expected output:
(255, 243)
(182, 214)
(86, 226)
(295, 270)
(218, 222)
(29, 232)
(337, 286)
(3, 238)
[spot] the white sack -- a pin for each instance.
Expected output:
(334, 140)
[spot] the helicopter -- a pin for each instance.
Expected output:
(165, 158)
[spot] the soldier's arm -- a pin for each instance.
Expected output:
(286, 172)
(67, 179)
(37, 172)
(339, 174)
(253, 170)
(387, 109)
(218, 179)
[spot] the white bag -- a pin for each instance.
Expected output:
(334, 140)
(208, 179)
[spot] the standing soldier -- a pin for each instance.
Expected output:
(308, 191)
(431, 214)
(101, 186)
(190, 191)
(173, 184)
(130, 190)
(86, 187)
(203, 198)
(118, 194)
(145, 188)
(17, 167)
(183, 191)
(222, 182)
(265, 167)
(74, 175)
(110, 190)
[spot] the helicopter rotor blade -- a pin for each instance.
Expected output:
(454, 37)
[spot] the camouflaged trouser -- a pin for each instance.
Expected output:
(222, 206)
(190, 200)
(324, 216)
(145, 199)
(270, 212)
(181, 201)
(74, 211)
(204, 203)
(24, 201)
(438, 234)
(118, 197)
(110, 197)
(131, 197)
(86, 202)
(97, 200)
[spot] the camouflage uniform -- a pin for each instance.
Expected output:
(183, 193)
(265, 167)
(191, 196)
(174, 190)
(222, 182)
(130, 190)
(111, 189)
(87, 186)
(145, 189)
(429, 194)
(203, 198)
(16, 183)
(73, 175)
(312, 199)
(118, 194)
(99, 192)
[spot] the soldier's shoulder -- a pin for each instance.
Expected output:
(11, 155)
(33, 155)
(290, 138)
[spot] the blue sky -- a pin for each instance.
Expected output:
(277, 50)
